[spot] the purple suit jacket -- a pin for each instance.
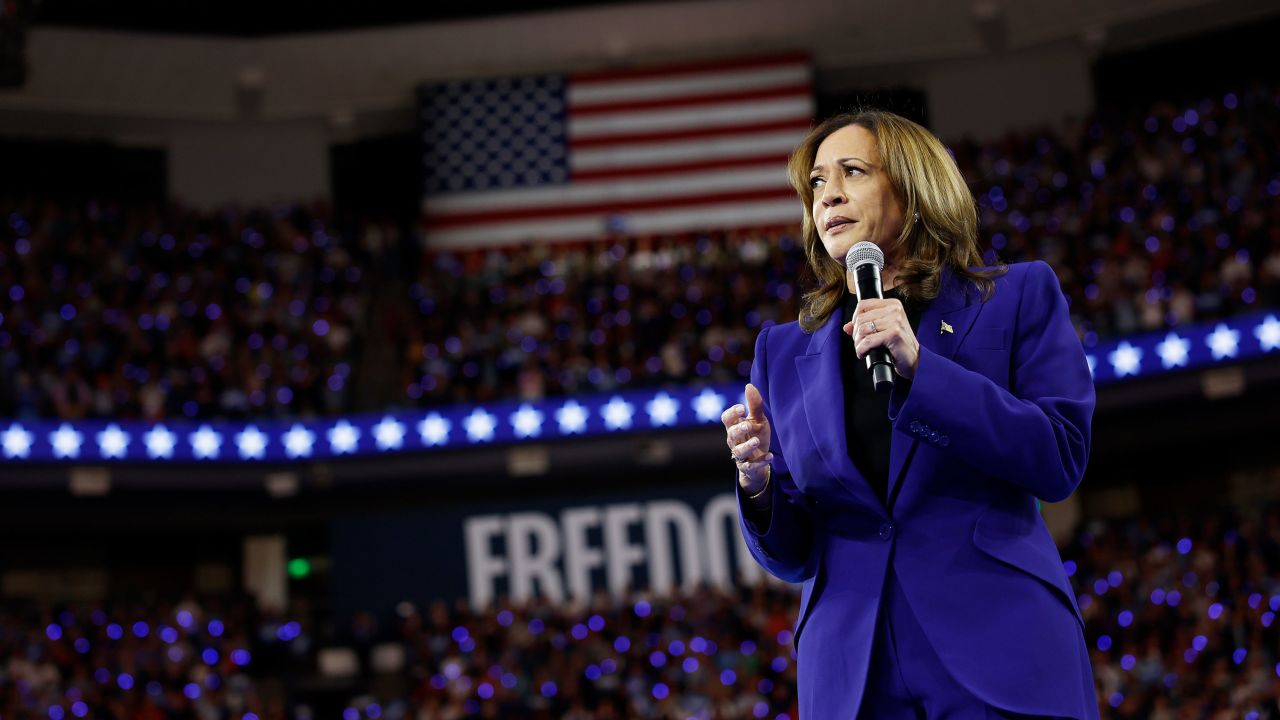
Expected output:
(997, 415)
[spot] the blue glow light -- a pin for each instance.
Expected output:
(1223, 341)
(1126, 359)
(663, 410)
(708, 405)
(298, 442)
(527, 421)
(572, 417)
(343, 437)
(1268, 334)
(434, 430)
(252, 443)
(1173, 350)
(160, 442)
(205, 444)
(113, 442)
(479, 425)
(617, 414)
(66, 442)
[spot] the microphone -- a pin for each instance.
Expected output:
(864, 262)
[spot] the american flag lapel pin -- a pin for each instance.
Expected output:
(945, 328)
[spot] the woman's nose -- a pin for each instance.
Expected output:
(832, 194)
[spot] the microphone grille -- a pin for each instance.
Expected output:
(863, 253)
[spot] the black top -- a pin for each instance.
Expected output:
(866, 412)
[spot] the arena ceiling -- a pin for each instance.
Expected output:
(1022, 20)
(257, 18)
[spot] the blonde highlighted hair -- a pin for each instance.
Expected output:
(942, 218)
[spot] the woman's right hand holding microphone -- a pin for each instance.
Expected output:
(748, 436)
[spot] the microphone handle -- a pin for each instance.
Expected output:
(866, 284)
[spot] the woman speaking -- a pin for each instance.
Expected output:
(932, 588)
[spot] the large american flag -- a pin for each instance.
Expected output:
(571, 157)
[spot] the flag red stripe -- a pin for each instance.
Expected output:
(803, 90)
(438, 222)
(753, 63)
(689, 134)
(591, 241)
(611, 173)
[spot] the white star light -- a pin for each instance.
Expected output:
(663, 409)
(480, 425)
(389, 433)
(160, 442)
(1173, 350)
(298, 441)
(1268, 334)
(617, 413)
(708, 405)
(113, 442)
(252, 443)
(434, 430)
(1126, 359)
(1223, 341)
(66, 442)
(205, 443)
(526, 421)
(1093, 363)
(17, 441)
(572, 418)
(343, 437)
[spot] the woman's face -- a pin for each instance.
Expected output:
(852, 198)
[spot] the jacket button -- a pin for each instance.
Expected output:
(933, 436)
(944, 441)
(915, 426)
(886, 531)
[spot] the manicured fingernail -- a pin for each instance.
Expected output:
(755, 441)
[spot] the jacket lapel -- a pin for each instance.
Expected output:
(823, 394)
(957, 305)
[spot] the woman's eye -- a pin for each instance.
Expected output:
(850, 170)
(814, 182)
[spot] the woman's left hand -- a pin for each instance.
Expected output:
(892, 331)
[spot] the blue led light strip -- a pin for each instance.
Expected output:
(594, 415)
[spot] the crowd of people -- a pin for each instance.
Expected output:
(1151, 220)
(1179, 617)
(206, 660)
(112, 311)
